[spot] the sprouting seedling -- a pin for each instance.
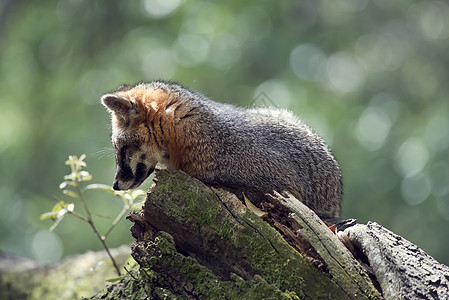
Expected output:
(73, 186)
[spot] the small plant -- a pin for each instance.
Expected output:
(74, 186)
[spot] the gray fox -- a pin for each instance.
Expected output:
(253, 151)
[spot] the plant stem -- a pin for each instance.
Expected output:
(116, 220)
(91, 223)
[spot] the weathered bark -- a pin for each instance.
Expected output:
(214, 232)
(403, 270)
(339, 261)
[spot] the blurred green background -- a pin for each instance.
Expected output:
(370, 76)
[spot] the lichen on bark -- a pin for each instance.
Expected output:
(213, 233)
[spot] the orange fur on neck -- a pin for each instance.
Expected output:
(159, 108)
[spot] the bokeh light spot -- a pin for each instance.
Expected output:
(160, 8)
(224, 52)
(432, 18)
(440, 179)
(159, 63)
(379, 52)
(47, 246)
(372, 128)
(208, 19)
(411, 157)
(437, 138)
(277, 93)
(415, 189)
(191, 49)
(308, 62)
(344, 73)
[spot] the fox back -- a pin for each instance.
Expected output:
(252, 151)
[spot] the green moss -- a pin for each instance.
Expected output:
(127, 288)
(218, 222)
(196, 280)
(192, 204)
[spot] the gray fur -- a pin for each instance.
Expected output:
(257, 151)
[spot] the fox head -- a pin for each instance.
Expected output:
(136, 151)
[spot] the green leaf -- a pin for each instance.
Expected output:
(129, 196)
(70, 193)
(137, 193)
(57, 221)
(57, 208)
(51, 214)
(127, 199)
(59, 211)
(67, 183)
(101, 187)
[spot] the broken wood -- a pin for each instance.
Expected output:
(198, 242)
(213, 227)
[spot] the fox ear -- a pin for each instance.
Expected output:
(114, 103)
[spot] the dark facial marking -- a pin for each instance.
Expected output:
(143, 156)
(125, 171)
(150, 170)
(123, 153)
(141, 172)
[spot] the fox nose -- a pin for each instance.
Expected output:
(115, 185)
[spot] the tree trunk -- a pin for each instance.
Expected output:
(216, 247)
